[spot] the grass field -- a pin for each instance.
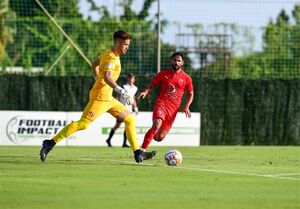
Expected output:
(99, 177)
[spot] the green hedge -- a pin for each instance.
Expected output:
(233, 112)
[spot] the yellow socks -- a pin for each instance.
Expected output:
(130, 132)
(73, 127)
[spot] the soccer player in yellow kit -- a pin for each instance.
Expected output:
(106, 68)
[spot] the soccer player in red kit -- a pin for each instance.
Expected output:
(173, 82)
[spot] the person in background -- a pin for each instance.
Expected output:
(131, 90)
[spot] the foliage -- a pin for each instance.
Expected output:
(279, 57)
(281, 51)
(7, 29)
(29, 39)
(38, 43)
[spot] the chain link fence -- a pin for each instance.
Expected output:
(222, 39)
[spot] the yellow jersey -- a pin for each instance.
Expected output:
(108, 62)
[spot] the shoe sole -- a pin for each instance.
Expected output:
(42, 156)
(153, 153)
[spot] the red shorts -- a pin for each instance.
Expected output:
(167, 115)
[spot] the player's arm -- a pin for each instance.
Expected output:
(108, 78)
(190, 97)
(134, 105)
(95, 67)
(154, 82)
(189, 100)
(144, 93)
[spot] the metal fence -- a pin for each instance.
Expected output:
(222, 39)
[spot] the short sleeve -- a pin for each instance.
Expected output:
(156, 79)
(189, 85)
(109, 63)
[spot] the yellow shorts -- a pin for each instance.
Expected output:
(95, 108)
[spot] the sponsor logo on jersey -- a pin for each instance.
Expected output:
(92, 114)
(109, 65)
(171, 89)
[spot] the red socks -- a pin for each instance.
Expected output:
(148, 138)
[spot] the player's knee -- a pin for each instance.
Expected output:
(83, 124)
(159, 138)
(129, 120)
(156, 124)
(117, 125)
(156, 128)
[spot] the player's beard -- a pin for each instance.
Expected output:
(176, 67)
(123, 51)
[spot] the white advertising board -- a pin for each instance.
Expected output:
(32, 127)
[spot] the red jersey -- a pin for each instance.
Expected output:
(172, 86)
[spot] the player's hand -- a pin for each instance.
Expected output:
(136, 110)
(187, 112)
(142, 94)
(120, 90)
(128, 99)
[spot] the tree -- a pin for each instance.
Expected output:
(38, 43)
(295, 39)
(57, 8)
(144, 46)
(277, 44)
(7, 29)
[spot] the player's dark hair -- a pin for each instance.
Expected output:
(130, 75)
(177, 54)
(120, 34)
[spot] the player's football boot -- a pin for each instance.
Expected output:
(125, 145)
(148, 155)
(46, 148)
(108, 143)
(138, 156)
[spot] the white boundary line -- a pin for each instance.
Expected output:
(273, 176)
(287, 174)
(240, 173)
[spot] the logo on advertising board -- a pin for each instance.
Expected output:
(20, 129)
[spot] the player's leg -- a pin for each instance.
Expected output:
(73, 127)
(161, 134)
(125, 140)
(158, 116)
(92, 110)
(112, 132)
(65, 132)
(156, 124)
(132, 138)
(119, 111)
(165, 126)
(129, 121)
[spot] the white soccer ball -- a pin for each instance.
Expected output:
(173, 157)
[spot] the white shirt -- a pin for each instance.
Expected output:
(131, 91)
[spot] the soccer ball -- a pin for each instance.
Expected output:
(173, 157)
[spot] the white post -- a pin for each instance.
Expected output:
(58, 59)
(158, 36)
(63, 32)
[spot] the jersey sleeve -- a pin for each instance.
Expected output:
(189, 85)
(109, 63)
(156, 79)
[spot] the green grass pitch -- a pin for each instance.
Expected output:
(229, 177)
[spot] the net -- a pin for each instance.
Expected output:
(222, 39)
